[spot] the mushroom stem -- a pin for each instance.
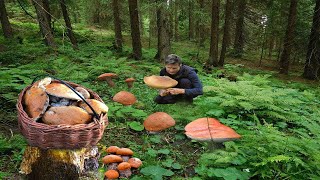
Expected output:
(130, 84)
(110, 82)
(215, 145)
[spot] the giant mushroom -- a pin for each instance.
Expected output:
(210, 129)
(160, 82)
(158, 121)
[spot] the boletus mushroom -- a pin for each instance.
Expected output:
(124, 170)
(111, 174)
(124, 98)
(125, 153)
(160, 82)
(108, 77)
(158, 121)
(129, 82)
(210, 129)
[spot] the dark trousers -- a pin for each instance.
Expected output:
(183, 83)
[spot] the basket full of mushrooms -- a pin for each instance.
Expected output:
(56, 114)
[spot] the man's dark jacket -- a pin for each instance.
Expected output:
(188, 73)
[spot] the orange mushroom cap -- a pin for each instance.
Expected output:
(111, 159)
(112, 149)
(70, 115)
(124, 166)
(124, 152)
(160, 82)
(111, 174)
(125, 98)
(135, 162)
(158, 121)
(206, 129)
(36, 102)
(130, 80)
(104, 76)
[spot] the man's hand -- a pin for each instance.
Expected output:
(163, 92)
(175, 91)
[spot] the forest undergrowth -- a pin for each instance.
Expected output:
(277, 117)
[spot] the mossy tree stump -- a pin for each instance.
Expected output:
(60, 163)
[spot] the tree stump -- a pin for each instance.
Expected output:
(60, 163)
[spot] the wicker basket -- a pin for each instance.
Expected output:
(60, 136)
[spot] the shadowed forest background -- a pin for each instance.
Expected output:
(258, 62)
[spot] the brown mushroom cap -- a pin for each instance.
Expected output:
(111, 159)
(158, 121)
(124, 152)
(43, 82)
(125, 98)
(124, 166)
(99, 107)
(61, 90)
(83, 92)
(106, 76)
(36, 102)
(70, 115)
(135, 162)
(160, 82)
(130, 80)
(210, 129)
(111, 174)
(112, 149)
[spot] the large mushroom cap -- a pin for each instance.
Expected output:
(36, 102)
(135, 162)
(125, 98)
(124, 152)
(158, 121)
(62, 91)
(111, 174)
(99, 107)
(206, 129)
(160, 82)
(70, 115)
(112, 149)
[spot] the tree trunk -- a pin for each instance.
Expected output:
(226, 30)
(289, 38)
(271, 43)
(54, 164)
(135, 32)
(163, 33)
(6, 27)
(46, 9)
(117, 25)
(312, 65)
(176, 21)
(191, 23)
(202, 33)
(239, 35)
(213, 54)
(68, 24)
(44, 25)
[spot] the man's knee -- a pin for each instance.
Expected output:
(164, 100)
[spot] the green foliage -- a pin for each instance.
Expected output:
(156, 172)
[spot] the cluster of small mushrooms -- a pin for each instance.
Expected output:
(55, 103)
(120, 163)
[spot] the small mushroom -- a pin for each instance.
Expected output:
(125, 153)
(62, 91)
(69, 115)
(160, 82)
(98, 107)
(111, 174)
(210, 129)
(135, 162)
(108, 77)
(129, 82)
(124, 169)
(158, 121)
(112, 161)
(125, 98)
(112, 149)
(83, 92)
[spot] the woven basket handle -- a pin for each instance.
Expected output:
(94, 112)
